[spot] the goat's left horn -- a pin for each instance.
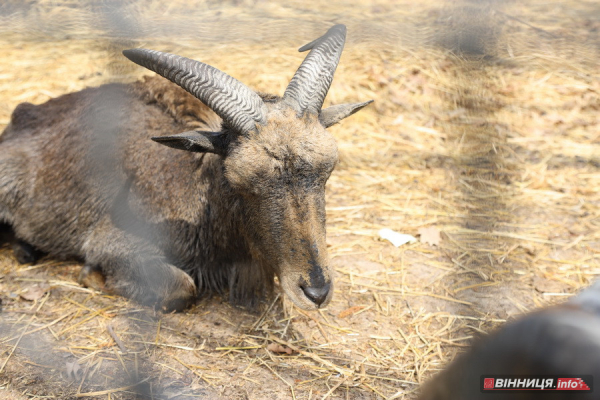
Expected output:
(234, 102)
(308, 88)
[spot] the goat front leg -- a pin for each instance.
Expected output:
(25, 253)
(121, 263)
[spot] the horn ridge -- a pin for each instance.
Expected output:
(230, 99)
(310, 84)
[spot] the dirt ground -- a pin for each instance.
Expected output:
(485, 128)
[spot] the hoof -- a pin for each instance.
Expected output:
(92, 277)
(182, 293)
(25, 253)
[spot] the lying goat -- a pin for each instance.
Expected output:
(243, 203)
(561, 341)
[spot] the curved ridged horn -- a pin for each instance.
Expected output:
(308, 88)
(230, 99)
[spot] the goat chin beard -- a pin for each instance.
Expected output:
(295, 293)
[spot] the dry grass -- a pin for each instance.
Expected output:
(485, 126)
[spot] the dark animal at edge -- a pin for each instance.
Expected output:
(240, 202)
(561, 341)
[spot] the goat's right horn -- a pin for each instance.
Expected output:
(234, 102)
(308, 88)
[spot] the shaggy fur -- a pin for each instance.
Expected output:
(80, 178)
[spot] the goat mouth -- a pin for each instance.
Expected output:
(306, 297)
(317, 295)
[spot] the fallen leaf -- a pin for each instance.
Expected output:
(33, 293)
(544, 285)
(350, 311)
(399, 120)
(277, 348)
(430, 235)
(395, 238)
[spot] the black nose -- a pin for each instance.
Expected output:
(317, 295)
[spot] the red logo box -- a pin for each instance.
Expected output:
(488, 383)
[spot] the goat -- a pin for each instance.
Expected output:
(242, 204)
(560, 341)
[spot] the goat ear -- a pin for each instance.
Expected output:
(196, 141)
(334, 114)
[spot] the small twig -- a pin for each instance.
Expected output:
(262, 317)
(89, 317)
(535, 28)
(118, 341)
(85, 373)
(24, 330)
(314, 357)
(16, 344)
(393, 291)
(168, 345)
(30, 312)
(307, 315)
(109, 391)
(122, 362)
(198, 374)
(373, 389)
(280, 377)
(333, 389)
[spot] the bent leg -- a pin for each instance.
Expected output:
(135, 269)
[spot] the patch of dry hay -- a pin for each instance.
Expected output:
(485, 125)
